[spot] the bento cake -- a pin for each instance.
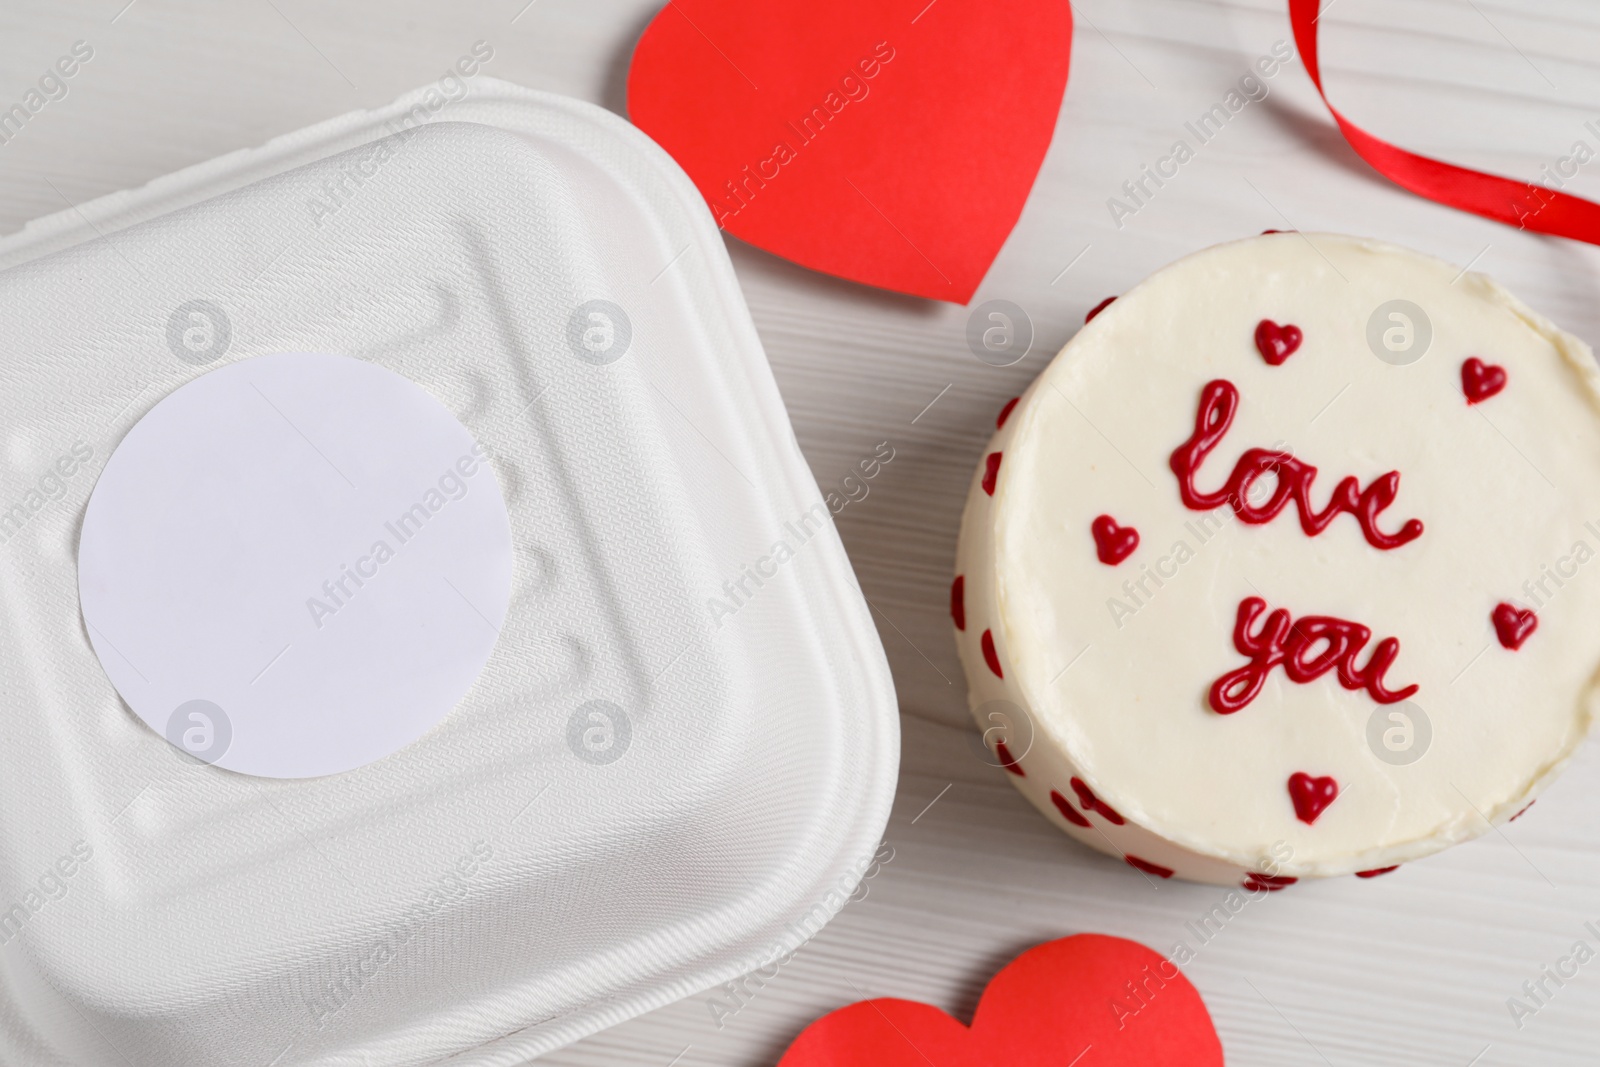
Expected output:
(1279, 569)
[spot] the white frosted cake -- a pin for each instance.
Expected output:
(1281, 568)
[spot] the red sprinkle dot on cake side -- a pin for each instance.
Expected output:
(1068, 812)
(1147, 867)
(990, 656)
(1007, 760)
(991, 472)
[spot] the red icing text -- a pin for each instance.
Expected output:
(1219, 400)
(1306, 650)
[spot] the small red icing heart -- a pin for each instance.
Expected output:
(1311, 795)
(991, 471)
(1480, 380)
(958, 601)
(1087, 1000)
(1513, 625)
(1377, 871)
(1113, 543)
(1091, 802)
(1068, 812)
(1277, 343)
(990, 656)
(1005, 413)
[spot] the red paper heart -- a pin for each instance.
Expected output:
(1480, 380)
(891, 142)
(1513, 625)
(1277, 343)
(1113, 543)
(1127, 1005)
(1311, 795)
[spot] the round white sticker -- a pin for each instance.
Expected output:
(295, 565)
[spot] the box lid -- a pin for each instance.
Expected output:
(507, 883)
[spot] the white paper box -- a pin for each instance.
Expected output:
(491, 891)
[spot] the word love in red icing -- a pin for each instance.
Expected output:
(1277, 343)
(1219, 401)
(1113, 542)
(1306, 650)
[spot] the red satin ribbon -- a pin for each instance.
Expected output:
(1520, 204)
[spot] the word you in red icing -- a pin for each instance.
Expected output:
(1311, 796)
(1277, 343)
(1513, 625)
(1219, 401)
(1306, 649)
(1480, 380)
(1113, 542)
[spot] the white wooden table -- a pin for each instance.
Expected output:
(1415, 968)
